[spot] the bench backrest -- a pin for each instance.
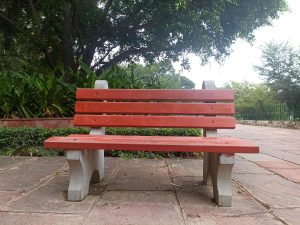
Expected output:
(208, 109)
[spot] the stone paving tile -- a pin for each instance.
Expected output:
(5, 196)
(290, 174)
(242, 165)
(32, 172)
(113, 197)
(185, 167)
(51, 197)
(296, 152)
(139, 175)
(196, 200)
(284, 155)
(7, 161)
(135, 214)
(9, 218)
(271, 189)
(143, 162)
(259, 157)
(136, 207)
(278, 165)
(264, 219)
(291, 216)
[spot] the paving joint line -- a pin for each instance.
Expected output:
(10, 167)
(43, 181)
(111, 177)
(281, 159)
(184, 216)
(39, 212)
(267, 206)
(269, 169)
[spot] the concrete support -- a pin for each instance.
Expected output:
(85, 165)
(217, 167)
(221, 168)
(207, 179)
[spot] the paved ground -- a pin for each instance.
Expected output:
(266, 188)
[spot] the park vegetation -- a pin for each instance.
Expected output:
(257, 102)
(49, 48)
(280, 68)
(57, 36)
(25, 95)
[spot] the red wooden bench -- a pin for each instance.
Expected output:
(101, 107)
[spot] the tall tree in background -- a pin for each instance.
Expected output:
(101, 33)
(254, 101)
(280, 66)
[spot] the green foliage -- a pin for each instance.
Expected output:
(29, 141)
(31, 95)
(154, 76)
(25, 95)
(36, 95)
(280, 66)
(44, 35)
(161, 75)
(256, 102)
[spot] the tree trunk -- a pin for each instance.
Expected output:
(69, 63)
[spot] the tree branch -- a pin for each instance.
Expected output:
(106, 8)
(75, 23)
(11, 23)
(119, 58)
(35, 17)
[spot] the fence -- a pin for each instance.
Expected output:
(273, 112)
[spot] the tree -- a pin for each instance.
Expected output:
(102, 33)
(164, 74)
(255, 101)
(157, 75)
(280, 67)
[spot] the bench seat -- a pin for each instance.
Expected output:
(153, 143)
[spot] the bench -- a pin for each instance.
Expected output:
(209, 109)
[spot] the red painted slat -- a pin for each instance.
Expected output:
(155, 108)
(154, 94)
(154, 121)
(153, 143)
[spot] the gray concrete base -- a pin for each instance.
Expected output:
(86, 166)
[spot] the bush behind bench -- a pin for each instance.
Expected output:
(29, 141)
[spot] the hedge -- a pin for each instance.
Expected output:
(29, 141)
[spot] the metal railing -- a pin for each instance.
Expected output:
(272, 112)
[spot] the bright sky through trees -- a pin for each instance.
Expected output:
(239, 65)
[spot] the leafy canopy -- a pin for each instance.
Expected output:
(102, 33)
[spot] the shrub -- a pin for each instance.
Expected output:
(29, 141)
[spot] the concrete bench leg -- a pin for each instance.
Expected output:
(221, 168)
(206, 169)
(83, 164)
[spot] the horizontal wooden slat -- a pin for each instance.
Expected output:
(154, 94)
(153, 121)
(155, 108)
(153, 143)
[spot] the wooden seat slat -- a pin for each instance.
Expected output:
(155, 108)
(153, 143)
(207, 122)
(154, 94)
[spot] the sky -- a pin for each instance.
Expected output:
(239, 65)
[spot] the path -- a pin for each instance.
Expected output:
(266, 188)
